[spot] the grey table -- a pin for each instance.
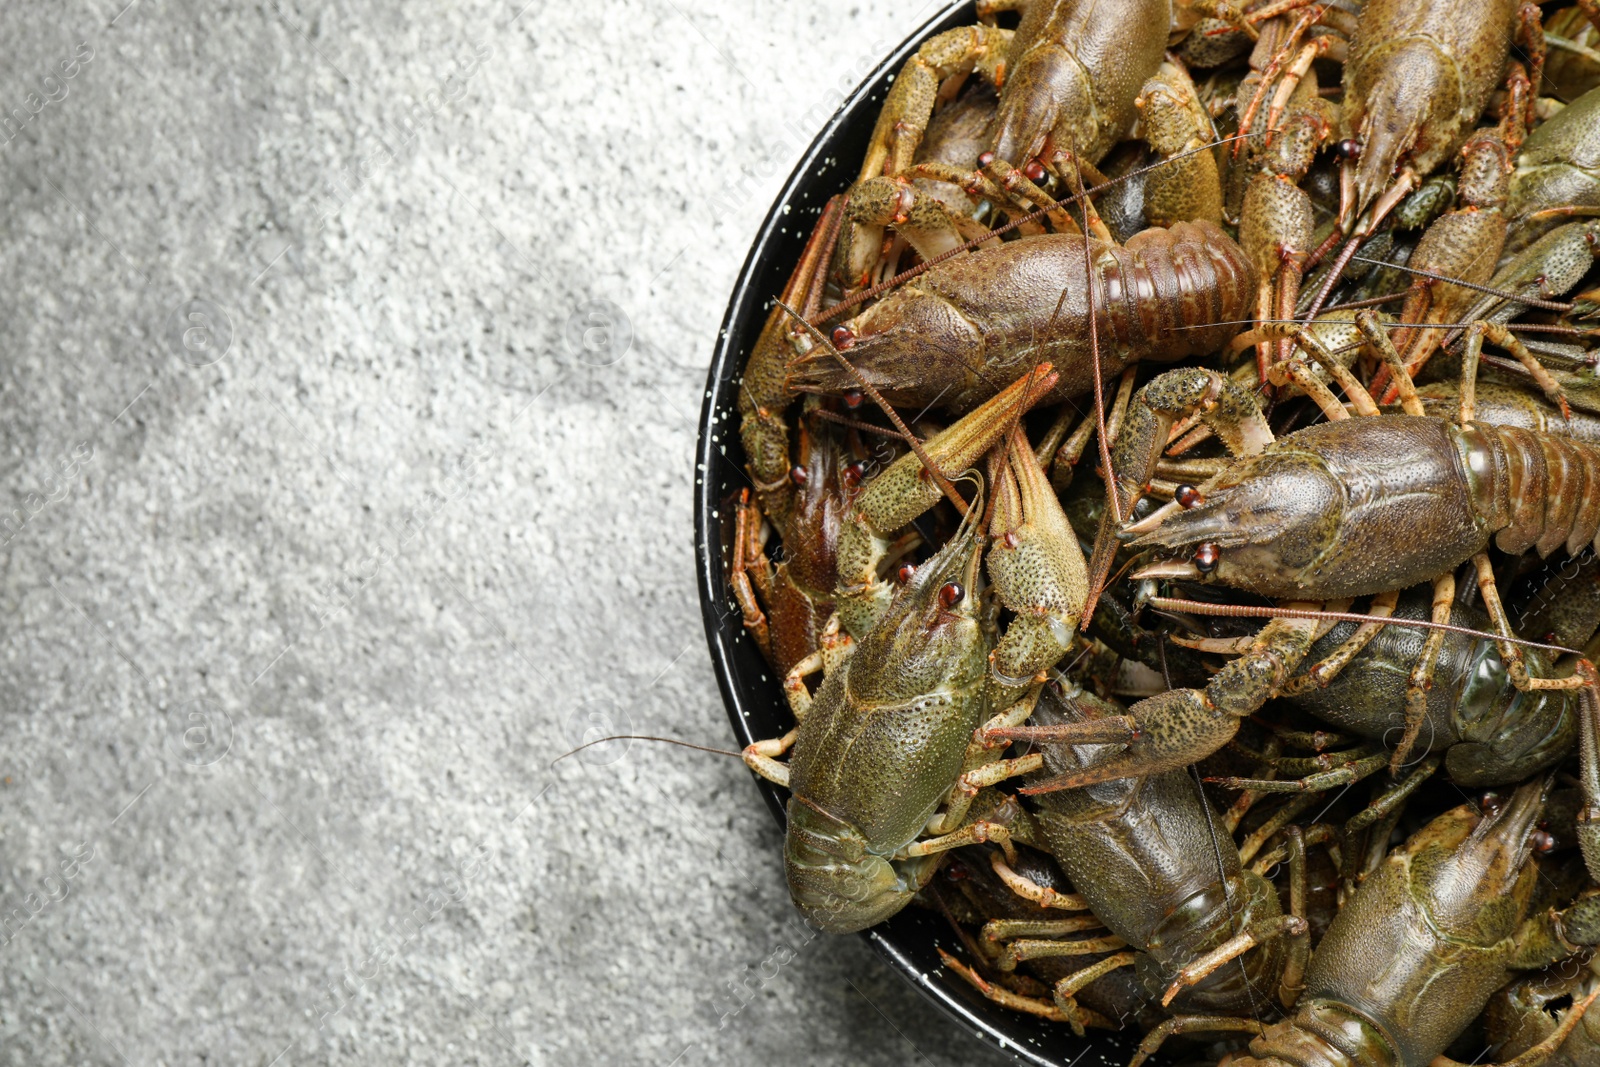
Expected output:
(349, 361)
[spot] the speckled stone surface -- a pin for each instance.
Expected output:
(349, 360)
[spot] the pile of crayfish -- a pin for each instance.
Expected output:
(1174, 500)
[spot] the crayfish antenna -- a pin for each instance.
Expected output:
(646, 737)
(1487, 290)
(1097, 578)
(1094, 353)
(1249, 611)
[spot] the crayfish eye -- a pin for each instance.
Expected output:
(1188, 497)
(843, 337)
(798, 475)
(950, 595)
(852, 398)
(1543, 843)
(1034, 170)
(985, 159)
(854, 472)
(905, 572)
(1349, 148)
(1206, 556)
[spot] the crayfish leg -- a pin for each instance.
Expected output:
(1067, 989)
(982, 765)
(1229, 410)
(1044, 949)
(1403, 386)
(1516, 665)
(1072, 449)
(1363, 763)
(1257, 933)
(751, 574)
(976, 833)
(988, 773)
(1249, 798)
(1030, 890)
(762, 757)
(1015, 1001)
(1392, 798)
(1589, 767)
(794, 683)
(1012, 929)
(1543, 1050)
(1187, 1024)
(909, 105)
(1320, 673)
(1421, 679)
(1530, 31)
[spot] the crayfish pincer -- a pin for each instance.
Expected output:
(1424, 942)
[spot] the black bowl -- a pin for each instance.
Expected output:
(752, 693)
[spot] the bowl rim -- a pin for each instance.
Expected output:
(718, 448)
